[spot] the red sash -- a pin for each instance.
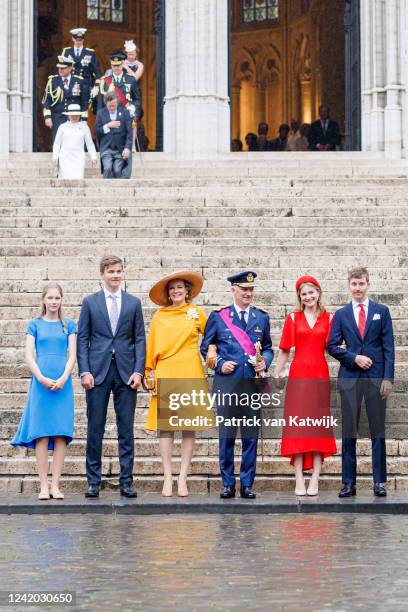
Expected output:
(239, 334)
(118, 92)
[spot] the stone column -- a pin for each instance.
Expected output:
(27, 76)
(4, 91)
(373, 50)
(16, 67)
(236, 116)
(393, 87)
(196, 106)
(404, 74)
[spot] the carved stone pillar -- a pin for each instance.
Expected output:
(4, 91)
(196, 105)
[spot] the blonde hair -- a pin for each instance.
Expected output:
(43, 307)
(320, 309)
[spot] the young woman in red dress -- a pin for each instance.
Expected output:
(308, 390)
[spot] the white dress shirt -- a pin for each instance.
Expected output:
(109, 300)
(113, 117)
(356, 309)
(239, 310)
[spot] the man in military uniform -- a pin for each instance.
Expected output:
(126, 87)
(61, 90)
(236, 331)
(85, 62)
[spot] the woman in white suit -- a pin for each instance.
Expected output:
(68, 149)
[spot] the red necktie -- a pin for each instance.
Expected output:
(361, 320)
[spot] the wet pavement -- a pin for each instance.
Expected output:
(210, 562)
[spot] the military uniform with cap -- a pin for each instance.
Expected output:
(124, 85)
(60, 92)
(85, 62)
(255, 322)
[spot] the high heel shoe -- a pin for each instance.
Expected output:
(56, 494)
(313, 490)
(300, 490)
(182, 490)
(44, 495)
(167, 490)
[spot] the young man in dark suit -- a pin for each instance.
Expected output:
(111, 358)
(362, 340)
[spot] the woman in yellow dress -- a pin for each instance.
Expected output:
(173, 353)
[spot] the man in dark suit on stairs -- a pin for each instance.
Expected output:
(111, 358)
(362, 340)
(113, 129)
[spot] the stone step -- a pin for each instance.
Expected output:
(149, 447)
(197, 484)
(203, 465)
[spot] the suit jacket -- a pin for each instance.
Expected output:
(329, 137)
(228, 348)
(96, 341)
(378, 342)
(86, 65)
(56, 98)
(117, 138)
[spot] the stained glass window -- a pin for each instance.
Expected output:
(105, 10)
(260, 10)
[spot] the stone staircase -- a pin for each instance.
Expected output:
(280, 214)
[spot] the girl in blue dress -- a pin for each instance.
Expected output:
(48, 419)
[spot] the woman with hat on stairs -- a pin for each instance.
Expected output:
(68, 150)
(307, 330)
(173, 353)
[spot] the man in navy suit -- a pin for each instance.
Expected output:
(235, 330)
(324, 133)
(362, 340)
(113, 129)
(111, 358)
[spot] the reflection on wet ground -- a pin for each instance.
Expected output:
(207, 562)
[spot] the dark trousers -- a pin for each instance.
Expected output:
(229, 409)
(112, 164)
(351, 399)
(248, 461)
(124, 401)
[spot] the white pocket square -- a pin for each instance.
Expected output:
(376, 317)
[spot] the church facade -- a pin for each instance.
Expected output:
(215, 69)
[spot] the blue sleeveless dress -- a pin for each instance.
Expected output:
(48, 413)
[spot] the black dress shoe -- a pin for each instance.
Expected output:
(348, 490)
(227, 493)
(247, 493)
(93, 491)
(380, 490)
(128, 491)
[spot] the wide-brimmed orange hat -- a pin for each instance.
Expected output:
(158, 293)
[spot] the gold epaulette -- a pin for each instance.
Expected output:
(51, 76)
(89, 49)
(64, 49)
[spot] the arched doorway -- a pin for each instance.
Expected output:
(109, 24)
(289, 56)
